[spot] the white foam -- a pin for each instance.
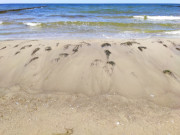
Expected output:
(1, 22)
(177, 32)
(158, 17)
(32, 24)
(138, 17)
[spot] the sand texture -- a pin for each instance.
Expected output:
(90, 87)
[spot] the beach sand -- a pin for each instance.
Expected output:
(90, 87)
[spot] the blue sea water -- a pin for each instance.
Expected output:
(89, 20)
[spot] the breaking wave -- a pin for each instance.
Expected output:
(177, 32)
(32, 24)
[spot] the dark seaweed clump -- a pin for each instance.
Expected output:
(17, 52)
(48, 48)
(76, 48)
(25, 47)
(112, 63)
(105, 45)
(35, 58)
(107, 52)
(64, 54)
(178, 49)
(164, 45)
(3, 48)
(168, 72)
(35, 50)
(129, 43)
(141, 48)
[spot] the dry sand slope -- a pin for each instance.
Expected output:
(102, 87)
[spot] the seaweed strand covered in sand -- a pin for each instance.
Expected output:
(105, 45)
(68, 132)
(107, 52)
(76, 48)
(35, 50)
(3, 48)
(48, 48)
(35, 58)
(168, 72)
(25, 47)
(141, 48)
(64, 54)
(129, 43)
(112, 63)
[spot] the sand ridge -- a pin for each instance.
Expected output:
(124, 86)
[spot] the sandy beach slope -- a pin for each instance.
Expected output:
(90, 87)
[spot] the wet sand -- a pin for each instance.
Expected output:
(87, 87)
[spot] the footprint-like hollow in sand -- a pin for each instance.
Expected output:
(16, 46)
(88, 44)
(96, 62)
(57, 44)
(161, 42)
(109, 67)
(67, 46)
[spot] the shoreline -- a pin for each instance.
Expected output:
(94, 86)
(87, 38)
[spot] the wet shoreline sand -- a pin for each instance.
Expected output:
(107, 86)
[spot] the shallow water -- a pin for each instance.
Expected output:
(89, 20)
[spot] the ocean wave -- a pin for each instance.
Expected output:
(108, 11)
(32, 24)
(82, 23)
(177, 32)
(6, 23)
(69, 16)
(25, 19)
(158, 17)
(116, 17)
